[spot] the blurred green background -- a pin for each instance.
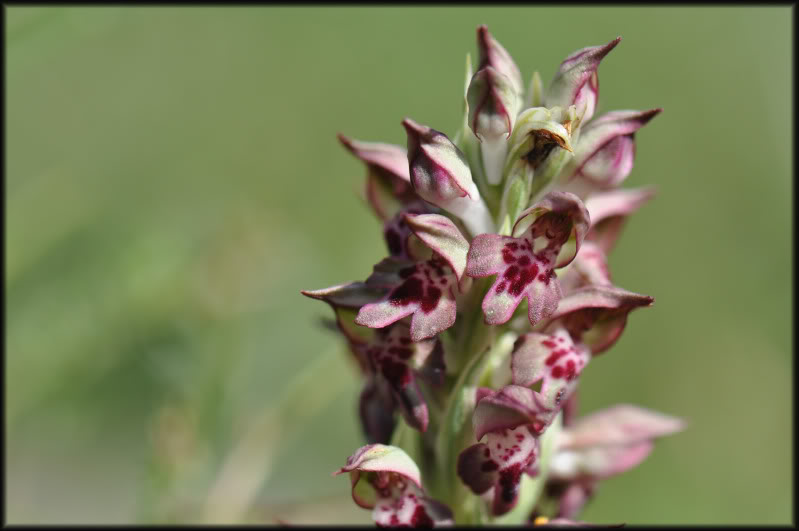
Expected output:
(173, 180)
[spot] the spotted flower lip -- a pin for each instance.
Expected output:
(499, 463)
(388, 183)
(605, 153)
(610, 442)
(546, 236)
(577, 82)
(392, 488)
(425, 289)
(553, 359)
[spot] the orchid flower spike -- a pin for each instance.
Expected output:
(492, 296)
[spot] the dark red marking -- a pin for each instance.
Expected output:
(489, 466)
(430, 301)
(420, 518)
(393, 242)
(407, 293)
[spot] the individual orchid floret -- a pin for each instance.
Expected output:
(540, 147)
(577, 82)
(596, 315)
(604, 156)
(388, 184)
(609, 442)
(397, 361)
(609, 212)
(554, 360)
(546, 236)
(493, 106)
(510, 420)
(427, 290)
(440, 175)
(387, 481)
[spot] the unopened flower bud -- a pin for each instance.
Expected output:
(493, 54)
(440, 175)
(577, 82)
(493, 106)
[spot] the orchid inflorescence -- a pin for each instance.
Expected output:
(496, 294)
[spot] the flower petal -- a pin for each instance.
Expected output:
(577, 82)
(589, 268)
(500, 463)
(609, 212)
(376, 411)
(606, 150)
(552, 359)
(598, 462)
(620, 425)
(427, 291)
(392, 488)
(345, 299)
(394, 358)
(510, 407)
(442, 236)
(596, 315)
(401, 242)
(477, 469)
(493, 104)
(556, 225)
(382, 458)
(388, 183)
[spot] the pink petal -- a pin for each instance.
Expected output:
(597, 315)
(609, 212)
(623, 425)
(388, 179)
(589, 268)
(510, 407)
(606, 150)
(442, 236)
(427, 291)
(552, 359)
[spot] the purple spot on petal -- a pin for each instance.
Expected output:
(407, 293)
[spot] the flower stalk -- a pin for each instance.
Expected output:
(494, 297)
